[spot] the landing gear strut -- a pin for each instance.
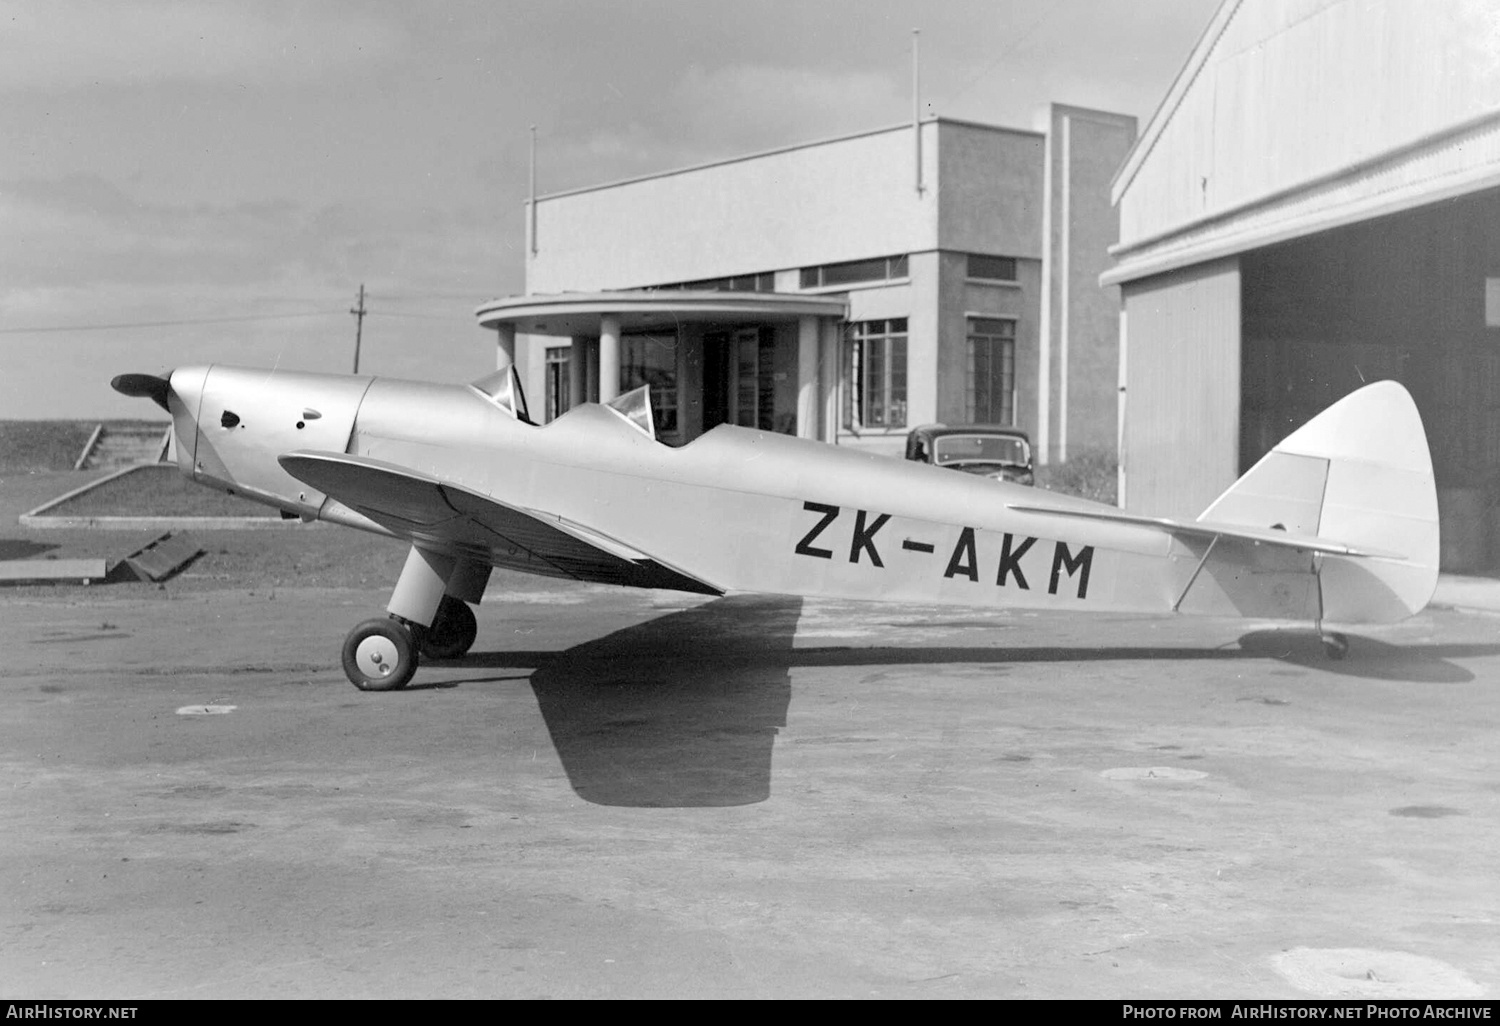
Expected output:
(1335, 645)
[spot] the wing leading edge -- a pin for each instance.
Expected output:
(448, 516)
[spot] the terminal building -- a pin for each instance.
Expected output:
(1316, 204)
(844, 290)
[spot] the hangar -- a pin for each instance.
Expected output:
(845, 290)
(1316, 204)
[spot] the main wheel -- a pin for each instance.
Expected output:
(452, 632)
(1336, 646)
(380, 655)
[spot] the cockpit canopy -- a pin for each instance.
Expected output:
(503, 388)
(635, 407)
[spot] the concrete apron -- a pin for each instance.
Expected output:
(631, 794)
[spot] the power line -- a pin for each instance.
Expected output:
(399, 297)
(420, 297)
(418, 317)
(42, 329)
(1006, 51)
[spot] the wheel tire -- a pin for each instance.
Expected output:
(452, 632)
(1335, 646)
(380, 655)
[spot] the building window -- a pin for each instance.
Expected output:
(990, 374)
(991, 268)
(762, 282)
(875, 374)
(651, 359)
(559, 359)
(853, 272)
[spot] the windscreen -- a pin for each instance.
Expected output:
(503, 388)
(979, 449)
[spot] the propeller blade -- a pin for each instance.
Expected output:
(143, 386)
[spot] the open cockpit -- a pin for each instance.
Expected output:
(503, 389)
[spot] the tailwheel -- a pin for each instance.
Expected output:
(380, 655)
(1335, 645)
(452, 632)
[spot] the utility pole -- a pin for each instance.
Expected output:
(359, 324)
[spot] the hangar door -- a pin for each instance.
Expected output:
(1181, 355)
(1401, 297)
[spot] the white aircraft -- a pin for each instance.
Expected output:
(1337, 524)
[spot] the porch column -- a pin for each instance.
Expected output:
(832, 336)
(505, 347)
(609, 357)
(590, 369)
(577, 374)
(807, 377)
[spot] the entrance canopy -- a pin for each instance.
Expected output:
(579, 314)
(759, 359)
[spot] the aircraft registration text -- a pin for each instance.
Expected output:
(965, 556)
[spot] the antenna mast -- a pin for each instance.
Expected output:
(916, 100)
(531, 201)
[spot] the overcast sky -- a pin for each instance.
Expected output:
(250, 163)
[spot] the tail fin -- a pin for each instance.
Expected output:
(1359, 473)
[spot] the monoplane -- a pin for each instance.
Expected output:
(1338, 524)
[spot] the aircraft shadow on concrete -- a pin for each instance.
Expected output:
(22, 548)
(679, 711)
(683, 711)
(1368, 658)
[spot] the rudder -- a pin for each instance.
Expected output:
(1358, 473)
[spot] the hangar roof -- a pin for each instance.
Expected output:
(1295, 117)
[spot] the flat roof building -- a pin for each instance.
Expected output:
(845, 290)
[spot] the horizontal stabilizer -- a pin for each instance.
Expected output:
(1213, 529)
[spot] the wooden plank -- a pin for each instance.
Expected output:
(163, 557)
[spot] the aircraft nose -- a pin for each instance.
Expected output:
(144, 386)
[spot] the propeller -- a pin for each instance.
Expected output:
(143, 386)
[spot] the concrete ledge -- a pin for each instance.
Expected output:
(40, 518)
(52, 571)
(163, 523)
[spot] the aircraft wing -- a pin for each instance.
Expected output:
(450, 517)
(1208, 529)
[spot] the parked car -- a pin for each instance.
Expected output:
(1002, 453)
